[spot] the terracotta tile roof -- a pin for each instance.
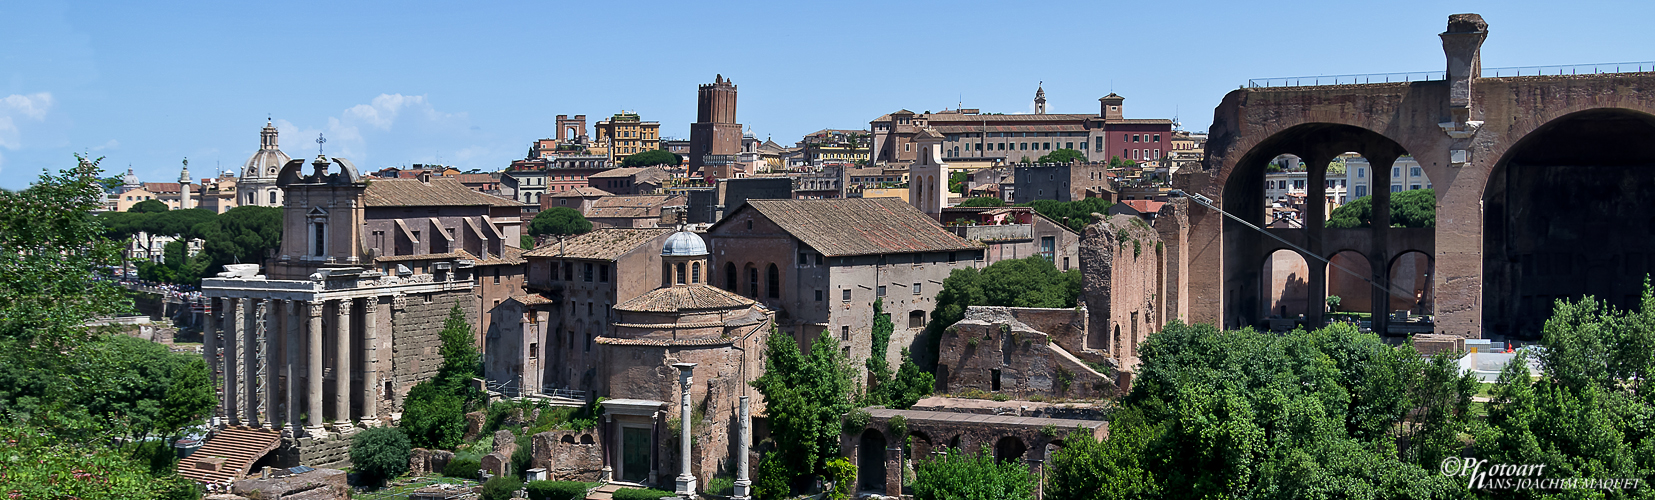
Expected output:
(163, 187)
(603, 244)
(513, 256)
(533, 299)
(647, 205)
(476, 178)
(1145, 206)
(580, 192)
(663, 342)
(857, 226)
(441, 192)
(693, 297)
(618, 172)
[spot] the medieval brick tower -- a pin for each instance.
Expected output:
(715, 137)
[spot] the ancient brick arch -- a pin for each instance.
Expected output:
(1460, 129)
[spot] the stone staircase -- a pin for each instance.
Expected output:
(227, 455)
(603, 492)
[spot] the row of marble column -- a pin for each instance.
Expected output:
(254, 329)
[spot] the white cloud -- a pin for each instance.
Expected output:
(112, 144)
(383, 111)
(19, 106)
(404, 128)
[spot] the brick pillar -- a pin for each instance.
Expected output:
(1380, 228)
(893, 471)
(1315, 208)
(342, 365)
(313, 329)
(370, 359)
(232, 361)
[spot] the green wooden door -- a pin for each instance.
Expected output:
(634, 454)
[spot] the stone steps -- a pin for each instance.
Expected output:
(238, 447)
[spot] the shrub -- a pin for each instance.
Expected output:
(721, 486)
(771, 481)
(856, 420)
(380, 453)
(557, 490)
(463, 468)
(501, 488)
(843, 475)
(641, 494)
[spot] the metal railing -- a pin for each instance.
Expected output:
(1425, 76)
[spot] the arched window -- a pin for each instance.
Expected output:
(680, 273)
(753, 282)
(695, 272)
(773, 282)
(730, 277)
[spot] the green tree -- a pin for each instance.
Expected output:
(983, 201)
(965, 476)
(525, 242)
(559, 221)
(879, 368)
(148, 206)
(652, 158)
(1028, 282)
(242, 235)
(957, 182)
(805, 397)
(460, 357)
(41, 466)
(434, 410)
(1117, 162)
(380, 453)
(190, 399)
(1416, 208)
(1062, 156)
(1073, 214)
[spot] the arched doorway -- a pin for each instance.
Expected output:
(1286, 285)
(730, 277)
(870, 461)
(1010, 449)
(921, 445)
(1411, 284)
(1569, 211)
(1348, 276)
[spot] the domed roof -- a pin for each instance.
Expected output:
(684, 244)
(268, 161)
(130, 180)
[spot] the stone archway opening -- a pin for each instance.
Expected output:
(1010, 449)
(1324, 166)
(1286, 286)
(1569, 212)
(1411, 287)
(1355, 304)
(870, 460)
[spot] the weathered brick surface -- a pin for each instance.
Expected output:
(993, 343)
(415, 343)
(1120, 261)
(569, 455)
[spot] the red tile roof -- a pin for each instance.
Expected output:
(857, 226)
(440, 192)
(1145, 206)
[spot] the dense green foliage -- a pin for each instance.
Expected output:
(433, 413)
(1330, 413)
(772, 480)
(982, 201)
(241, 235)
(1587, 415)
(501, 488)
(1027, 282)
(556, 490)
(957, 182)
(805, 395)
(896, 390)
(1074, 214)
(68, 393)
(972, 476)
(642, 494)
(1062, 156)
(1416, 208)
(380, 453)
(148, 207)
(463, 468)
(842, 474)
(649, 158)
(559, 221)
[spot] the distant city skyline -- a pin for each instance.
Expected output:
(472, 86)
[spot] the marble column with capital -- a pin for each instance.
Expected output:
(209, 350)
(744, 438)
(342, 365)
(292, 328)
(686, 480)
(248, 318)
(264, 390)
(233, 401)
(370, 360)
(313, 330)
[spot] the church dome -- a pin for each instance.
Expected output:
(264, 164)
(684, 244)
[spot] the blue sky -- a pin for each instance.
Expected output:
(471, 84)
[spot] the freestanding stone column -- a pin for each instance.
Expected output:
(370, 360)
(686, 480)
(232, 360)
(266, 393)
(314, 330)
(291, 329)
(247, 316)
(342, 366)
(209, 350)
(744, 438)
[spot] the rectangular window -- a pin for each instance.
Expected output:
(1361, 173)
(588, 273)
(818, 259)
(880, 291)
(1412, 187)
(953, 257)
(1069, 145)
(603, 273)
(1137, 138)
(1099, 147)
(804, 259)
(1082, 145)
(1396, 172)
(1413, 171)
(1023, 146)
(1157, 155)
(916, 288)
(1396, 188)
(844, 333)
(818, 295)
(496, 275)
(845, 295)
(1046, 146)
(1157, 137)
